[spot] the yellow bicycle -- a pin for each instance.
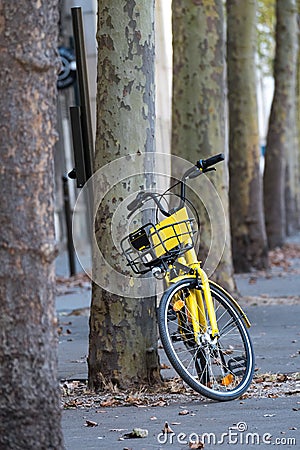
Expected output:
(202, 328)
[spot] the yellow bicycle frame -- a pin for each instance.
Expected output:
(195, 299)
(165, 236)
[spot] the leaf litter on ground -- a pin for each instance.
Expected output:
(76, 395)
(66, 285)
(281, 256)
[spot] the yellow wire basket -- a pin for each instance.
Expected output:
(159, 244)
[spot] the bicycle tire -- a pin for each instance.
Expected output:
(205, 366)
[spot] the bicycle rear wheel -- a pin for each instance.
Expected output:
(219, 368)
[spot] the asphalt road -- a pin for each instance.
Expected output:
(253, 423)
(250, 423)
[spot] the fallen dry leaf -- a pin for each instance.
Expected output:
(196, 444)
(281, 377)
(160, 403)
(164, 366)
(167, 428)
(90, 423)
(109, 402)
(252, 280)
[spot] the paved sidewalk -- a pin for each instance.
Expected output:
(276, 337)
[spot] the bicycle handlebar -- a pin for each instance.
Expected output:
(201, 166)
(136, 202)
(140, 199)
(205, 163)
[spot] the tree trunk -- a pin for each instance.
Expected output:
(249, 245)
(29, 396)
(198, 118)
(289, 13)
(123, 336)
(298, 115)
(280, 139)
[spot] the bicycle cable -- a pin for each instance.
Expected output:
(161, 196)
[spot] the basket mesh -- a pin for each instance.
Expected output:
(159, 244)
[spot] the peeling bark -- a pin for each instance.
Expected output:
(280, 162)
(29, 396)
(198, 117)
(123, 336)
(298, 119)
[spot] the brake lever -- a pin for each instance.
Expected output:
(198, 172)
(210, 169)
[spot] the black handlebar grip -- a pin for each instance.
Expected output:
(205, 163)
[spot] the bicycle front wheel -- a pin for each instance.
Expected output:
(220, 368)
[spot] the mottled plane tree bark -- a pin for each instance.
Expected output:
(298, 113)
(289, 11)
(249, 243)
(280, 150)
(29, 394)
(123, 335)
(199, 109)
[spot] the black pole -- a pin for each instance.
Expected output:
(68, 214)
(79, 171)
(82, 78)
(85, 110)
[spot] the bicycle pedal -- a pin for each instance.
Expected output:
(237, 366)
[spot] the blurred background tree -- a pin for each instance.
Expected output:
(265, 35)
(249, 244)
(199, 111)
(281, 175)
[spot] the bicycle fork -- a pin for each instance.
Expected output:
(192, 261)
(196, 298)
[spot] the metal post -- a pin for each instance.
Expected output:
(82, 78)
(85, 111)
(79, 159)
(68, 213)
